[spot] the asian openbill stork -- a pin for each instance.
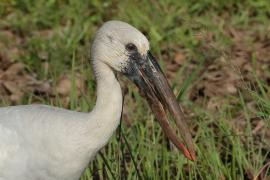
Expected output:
(39, 142)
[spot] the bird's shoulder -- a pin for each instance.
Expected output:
(33, 110)
(31, 107)
(24, 117)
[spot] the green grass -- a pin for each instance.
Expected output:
(139, 149)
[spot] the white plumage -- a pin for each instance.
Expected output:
(39, 142)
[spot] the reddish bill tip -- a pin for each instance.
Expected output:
(188, 154)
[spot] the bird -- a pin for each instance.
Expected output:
(41, 142)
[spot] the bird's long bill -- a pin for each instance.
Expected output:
(149, 77)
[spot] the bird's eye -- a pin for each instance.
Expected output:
(131, 47)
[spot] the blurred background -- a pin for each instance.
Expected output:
(216, 55)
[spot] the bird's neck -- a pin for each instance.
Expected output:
(108, 108)
(94, 129)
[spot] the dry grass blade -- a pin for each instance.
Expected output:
(261, 171)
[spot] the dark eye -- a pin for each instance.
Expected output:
(131, 47)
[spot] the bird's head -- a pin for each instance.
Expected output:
(126, 50)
